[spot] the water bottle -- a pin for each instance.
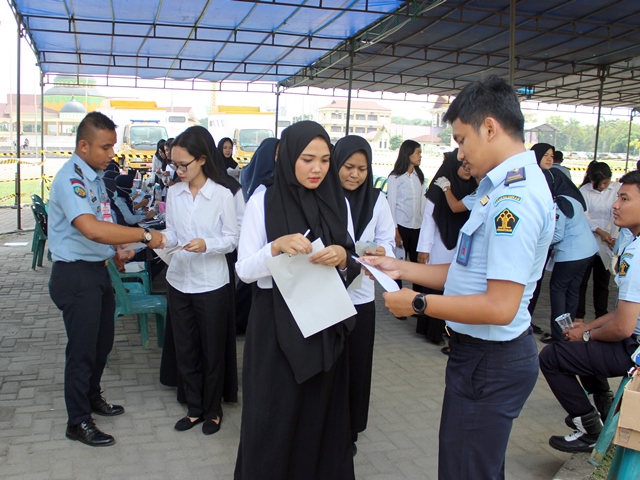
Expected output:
(157, 193)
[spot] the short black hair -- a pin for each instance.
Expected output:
(93, 121)
(558, 156)
(631, 178)
(490, 97)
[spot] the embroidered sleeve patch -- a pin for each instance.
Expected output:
(624, 265)
(502, 198)
(79, 191)
(506, 222)
(75, 181)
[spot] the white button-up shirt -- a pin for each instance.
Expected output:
(211, 215)
(406, 198)
(599, 207)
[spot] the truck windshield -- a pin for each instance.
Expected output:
(147, 136)
(251, 138)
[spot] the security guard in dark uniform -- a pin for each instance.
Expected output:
(81, 236)
(493, 364)
(601, 348)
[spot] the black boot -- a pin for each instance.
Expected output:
(588, 427)
(603, 403)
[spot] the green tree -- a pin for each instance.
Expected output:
(410, 121)
(395, 141)
(445, 135)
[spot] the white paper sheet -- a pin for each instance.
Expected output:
(135, 246)
(165, 254)
(315, 294)
(385, 281)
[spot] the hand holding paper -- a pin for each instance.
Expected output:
(390, 266)
(400, 303)
(383, 279)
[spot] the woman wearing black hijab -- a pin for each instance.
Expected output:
(295, 415)
(544, 155)
(372, 223)
(573, 247)
(440, 228)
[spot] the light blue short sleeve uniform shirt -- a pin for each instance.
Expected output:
(572, 238)
(507, 237)
(628, 276)
(76, 190)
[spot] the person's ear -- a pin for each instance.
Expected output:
(491, 127)
(83, 146)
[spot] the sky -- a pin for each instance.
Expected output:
(293, 104)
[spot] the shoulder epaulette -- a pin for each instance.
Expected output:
(515, 175)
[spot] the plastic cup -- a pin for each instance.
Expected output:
(564, 321)
(162, 207)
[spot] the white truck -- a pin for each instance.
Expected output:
(246, 126)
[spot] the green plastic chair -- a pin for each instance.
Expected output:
(39, 239)
(140, 305)
(378, 181)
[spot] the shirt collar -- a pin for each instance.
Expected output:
(206, 190)
(498, 174)
(87, 172)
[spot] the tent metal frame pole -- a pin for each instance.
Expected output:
(41, 135)
(277, 109)
(631, 115)
(602, 77)
(512, 43)
(18, 139)
(352, 54)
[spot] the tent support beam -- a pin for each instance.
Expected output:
(18, 139)
(352, 54)
(602, 73)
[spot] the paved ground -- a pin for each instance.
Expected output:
(400, 442)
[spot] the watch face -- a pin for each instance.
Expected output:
(147, 236)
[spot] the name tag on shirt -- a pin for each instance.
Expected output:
(464, 249)
(105, 211)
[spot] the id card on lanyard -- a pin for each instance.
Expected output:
(105, 205)
(464, 249)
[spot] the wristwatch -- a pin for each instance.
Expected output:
(586, 335)
(419, 303)
(146, 236)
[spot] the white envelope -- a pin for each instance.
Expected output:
(315, 294)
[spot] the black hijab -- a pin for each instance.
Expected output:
(125, 184)
(448, 222)
(540, 149)
(561, 186)
(363, 199)
(292, 208)
(260, 167)
(228, 161)
(227, 180)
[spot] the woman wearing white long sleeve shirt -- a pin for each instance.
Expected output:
(201, 217)
(599, 193)
(405, 193)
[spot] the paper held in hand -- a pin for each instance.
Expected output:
(315, 294)
(385, 281)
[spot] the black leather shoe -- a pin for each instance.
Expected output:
(89, 434)
(209, 427)
(101, 407)
(536, 329)
(185, 424)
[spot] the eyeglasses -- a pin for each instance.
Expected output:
(179, 167)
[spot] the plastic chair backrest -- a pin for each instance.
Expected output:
(41, 217)
(122, 297)
(37, 199)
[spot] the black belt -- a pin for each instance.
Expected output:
(462, 338)
(102, 263)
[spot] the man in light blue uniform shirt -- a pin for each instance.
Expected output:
(599, 349)
(493, 364)
(81, 239)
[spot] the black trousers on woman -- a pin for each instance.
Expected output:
(199, 323)
(430, 327)
(410, 238)
(361, 341)
(601, 277)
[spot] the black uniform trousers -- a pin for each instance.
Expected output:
(487, 385)
(564, 289)
(562, 363)
(199, 323)
(601, 277)
(83, 291)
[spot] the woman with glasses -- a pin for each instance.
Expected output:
(295, 413)
(200, 218)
